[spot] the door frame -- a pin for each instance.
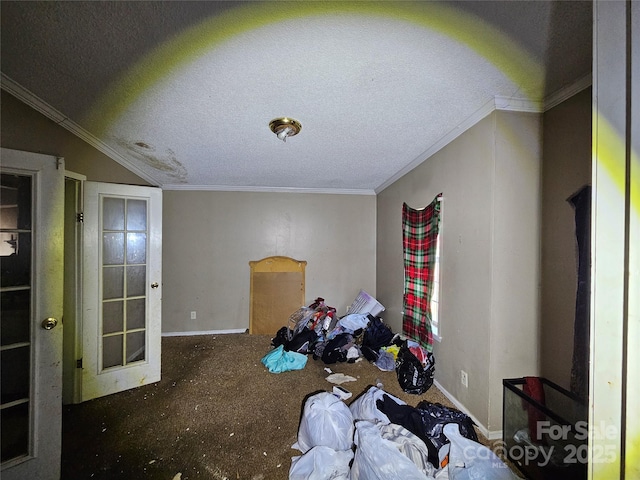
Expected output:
(72, 341)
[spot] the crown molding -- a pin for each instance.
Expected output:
(35, 102)
(227, 188)
(568, 92)
(478, 115)
(25, 96)
(513, 104)
(516, 104)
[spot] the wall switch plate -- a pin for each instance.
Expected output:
(464, 378)
(193, 315)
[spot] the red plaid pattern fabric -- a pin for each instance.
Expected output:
(419, 235)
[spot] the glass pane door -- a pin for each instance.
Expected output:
(15, 312)
(124, 279)
(122, 288)
(31, 283)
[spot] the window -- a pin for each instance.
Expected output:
(435, 292)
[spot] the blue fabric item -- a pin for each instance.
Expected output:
(385, 361)
(279, 360)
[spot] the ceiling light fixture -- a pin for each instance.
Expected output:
(285, 127)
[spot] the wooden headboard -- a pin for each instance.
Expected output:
(277, 291)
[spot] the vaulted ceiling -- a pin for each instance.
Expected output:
(182, 92)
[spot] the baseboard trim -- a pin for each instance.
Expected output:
(490, 435)
(204, 332)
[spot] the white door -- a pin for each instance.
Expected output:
(31, 254)
(122, 291)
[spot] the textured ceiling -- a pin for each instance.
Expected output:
(182, 93)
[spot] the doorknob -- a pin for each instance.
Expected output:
(49, 323)
(154, 285)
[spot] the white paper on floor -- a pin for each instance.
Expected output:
(340, 378)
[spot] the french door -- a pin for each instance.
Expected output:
(31, 263)
(122, 290)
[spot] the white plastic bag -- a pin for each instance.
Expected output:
(327, 421)
(321, 463)
(379, 459)
(469, 460)
(364, 407)
(410, 445)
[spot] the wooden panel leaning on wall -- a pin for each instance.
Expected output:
(277, 291)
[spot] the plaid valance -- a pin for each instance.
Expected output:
(419, 235)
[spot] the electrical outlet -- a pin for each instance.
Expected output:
(464, 378)
(193, 315)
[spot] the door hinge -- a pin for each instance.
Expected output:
(80, 217)
(79, 363)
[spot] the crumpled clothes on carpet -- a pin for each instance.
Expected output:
(279, 360)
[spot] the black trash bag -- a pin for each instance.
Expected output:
(302, 342)
(377, 334)
(413, 377)
(435, 416)
(283, 336)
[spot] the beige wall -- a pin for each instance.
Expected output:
(566, 168)
(489, 177)
(515, 286)
(210, 237)
(26, 129)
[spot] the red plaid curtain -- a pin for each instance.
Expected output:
(419, 235)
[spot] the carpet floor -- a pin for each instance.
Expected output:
(217, 413)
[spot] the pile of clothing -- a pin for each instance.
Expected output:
(380, 437)
(318, 331)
